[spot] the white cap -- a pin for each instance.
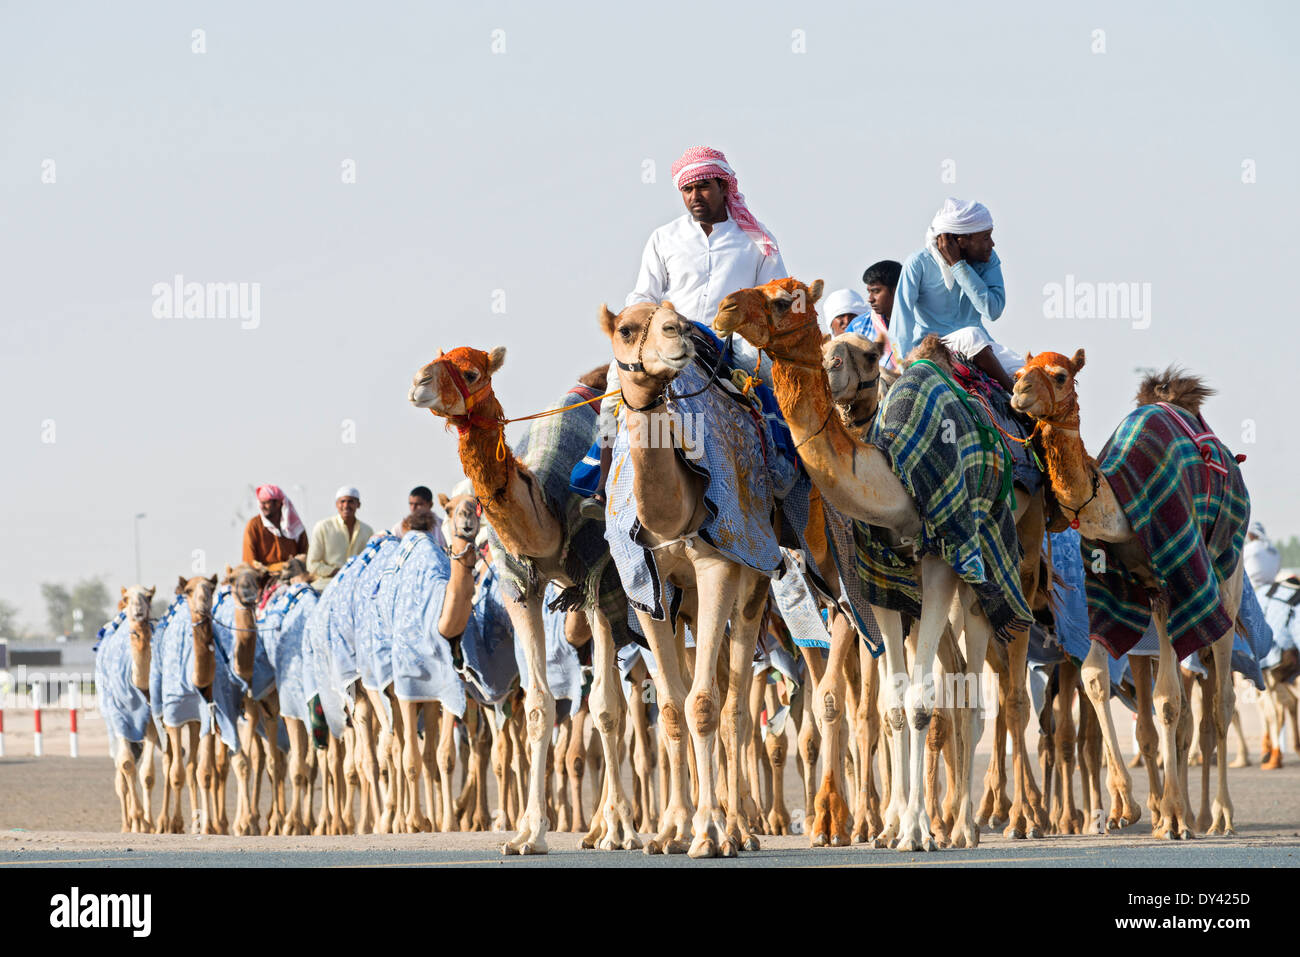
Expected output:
(347, 491)
(841, 301)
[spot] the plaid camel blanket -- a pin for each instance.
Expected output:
(957, 475)
(550, 449)
(1188, 506)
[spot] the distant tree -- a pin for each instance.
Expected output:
(90, 597)
(9, 627)
(1290, 552)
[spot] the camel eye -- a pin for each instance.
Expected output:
(625, 331)
(471, 375)
(782, 305)
(1060, 378)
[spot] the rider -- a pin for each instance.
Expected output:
(951, 286)
(696, 261)
(276, 534)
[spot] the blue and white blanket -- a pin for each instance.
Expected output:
(373, 642)
(317, 667)
(488, 651)
(173, 697)
(124, 706)
(282, 626)
(349, 625)
(729, 451)
(1278, 601)
(416, 582)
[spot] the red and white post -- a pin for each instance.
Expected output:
(74, 698)
(38, 745)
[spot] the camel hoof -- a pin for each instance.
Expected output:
(1014, 833)
(996, 822)
(819, 840)
(652, 846)
(703, 847)
(1241, 762)
(1035, 832)
(1186, 834)
(728, 849)
(751, 844)
(839, 840)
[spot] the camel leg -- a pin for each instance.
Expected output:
(446, 760)
(759, 773)
(831, 819)
(413, 765)
(938, 739)
(606, 704)
(969, 707)
(123, 775)
(746, 622)
(995, 807)
(670, 689)
(174, 824)
(575, 761)
(563, 793)
(1224, 702)
(894, 714)
(778, 820)
(809, 737)
(349, 781)
(539, 719)
(1090, 768)
(204, 783)
(867, 822)
(643, 758)
(1169, 708)
(1028, 816)
(334, 755)
(480, 756)
(1096, 684)
(1242, 760)
(297, 777)
(368, 769)
(500, 769)
(391, 745)
(1148, 742)
(146, 772)
(170, 745)
(1069, 820)
(277, 763)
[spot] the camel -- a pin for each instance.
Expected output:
(1045, 390)
(857, 479)
(651, 348)
(123, 662)
(246, 583)
(196, 765)
(458, 387)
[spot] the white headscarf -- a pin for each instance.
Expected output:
(841, 301)
(347, 491)
(961, 218)
(1260, 558)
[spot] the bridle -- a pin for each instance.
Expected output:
(1069, 419)
(469, 420)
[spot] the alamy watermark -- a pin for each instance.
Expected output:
(179, 299)
(660, 430)
(1081, 299)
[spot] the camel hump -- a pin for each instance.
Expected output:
(933, 348)
(1177, 387)
(596, 379)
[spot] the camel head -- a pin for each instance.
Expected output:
(1045, 388)
(464, 517)
(455, 382)
(852, 364)
(198, 592)
(295, 571)
(650, 343)
(769, 313)
(246, 582)
(136, 602)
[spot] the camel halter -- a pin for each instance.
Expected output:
(1052, 418)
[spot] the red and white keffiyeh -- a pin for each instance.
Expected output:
(290, 525)
(704, 162)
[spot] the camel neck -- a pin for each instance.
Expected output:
(478, 453)
(1072, 471)
(458, 602)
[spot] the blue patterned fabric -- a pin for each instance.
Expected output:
(173, 696)
(731, 455)
(563, 670)
(282, 627)
(124, 706)
(347, 625)
(489, 666)
(423, 669)
(223, 625)
(1280, 615)
(1244, 658)
(317, 667)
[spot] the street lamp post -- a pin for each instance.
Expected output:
(135, 526)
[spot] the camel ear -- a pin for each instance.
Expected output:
(180, 585)
(123, 591)
(1078, 360)
(229, 572)
(213, 579)
(443, 500)
(607, 320)
(1029, 357)
(496, 359)
(882, 343)
(815, 291)
(150, 592)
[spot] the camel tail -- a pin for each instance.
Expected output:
(1177, 387)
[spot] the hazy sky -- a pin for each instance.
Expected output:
(482, 173)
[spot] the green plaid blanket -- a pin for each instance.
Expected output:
(956, 476)
(1190, 517)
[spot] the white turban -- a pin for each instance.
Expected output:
(960, 218)
(841, 301)
(347, 491)
(1261, 560)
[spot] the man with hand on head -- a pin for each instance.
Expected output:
(952, 286)
(336, 539)
(276, 535)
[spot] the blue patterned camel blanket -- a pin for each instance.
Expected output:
(282, 628)
(124, 706)
(349, 624)
(1279, 601)
(550, 449)
(423, 669)
(727, 448)
(173, 696)
(956, 475)
(1188, 507)
(488, 651)
(318, 668)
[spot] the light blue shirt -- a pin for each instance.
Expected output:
(923, 304)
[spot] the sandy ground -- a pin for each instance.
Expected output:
(60, 802)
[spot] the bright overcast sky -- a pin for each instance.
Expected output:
(518, 172)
